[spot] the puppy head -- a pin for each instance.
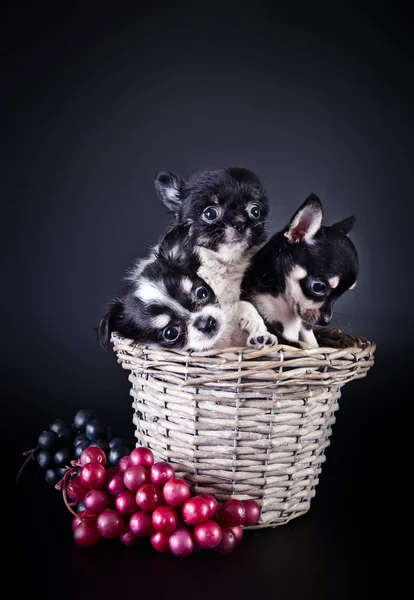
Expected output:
(322, 265)
(165, 304)
(225, 208)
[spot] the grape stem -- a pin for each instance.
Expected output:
(62, 485)
(30, 456)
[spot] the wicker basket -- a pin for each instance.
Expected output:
(242, 422)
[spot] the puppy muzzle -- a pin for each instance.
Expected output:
(206, 324)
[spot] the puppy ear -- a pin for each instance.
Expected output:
(108, 323)
(306, 222)
(346, 225)
(169, 187)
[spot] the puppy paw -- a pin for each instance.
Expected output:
(261, 339)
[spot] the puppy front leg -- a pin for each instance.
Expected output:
(250, 321)
(307, 336)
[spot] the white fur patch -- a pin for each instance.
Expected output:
(155, 292)
(196, 339)
(334, 281)
(298, 273)
(308, 336)
(174, 252)
(160, 321)
(172, 193)
(187, 285)
(232, 251)
(277, 309)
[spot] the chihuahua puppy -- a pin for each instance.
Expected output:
(295, 279)
(164, 303)
(225, 212)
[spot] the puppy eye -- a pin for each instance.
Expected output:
(255, 211)
(171, 333)
(210, 214)
(201, 292)
(318, 287)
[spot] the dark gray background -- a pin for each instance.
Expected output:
(315, 99)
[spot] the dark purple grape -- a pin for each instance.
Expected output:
(95, 430)
(80, 448)
(45, 460)
(58, 425)
(103, 444)
(116, 453)
(82, 417)
(81, 437)
(48, 440)
(52, 476)
(116, 441)
(63, 457)
(67, 434)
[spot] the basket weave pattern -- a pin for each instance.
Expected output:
(252, 424)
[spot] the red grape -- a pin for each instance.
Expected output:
(181, 542)
(212, 502)
(93, 475)
(149, 497)
(85, 518)
(129, 539)
(195, 510)
(141, 524)
(93, 454)
(208, 535)
(96, 501)
(165, 519)
(76, 490)
(125, 502)
(253, 512)
(123, 463)
(160, 473)
(142, 456)
(238, 532)
(115, 483)
(176, 492)
(86, 536)
(232, 512)
(135, 476)
(159, 541)
(228, 541)
(110, 524)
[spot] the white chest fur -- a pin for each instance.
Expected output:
(225, 278)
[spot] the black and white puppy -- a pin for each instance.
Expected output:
(296, 277)
(225, 211)
(164, 303)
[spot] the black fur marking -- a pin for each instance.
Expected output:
(330, 253)
(131, 317)
(232, 189)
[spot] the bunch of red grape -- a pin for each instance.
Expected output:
(139, 499)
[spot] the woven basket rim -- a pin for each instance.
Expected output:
(330, 339)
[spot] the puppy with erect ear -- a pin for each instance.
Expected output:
(225, 211)
(297, 276)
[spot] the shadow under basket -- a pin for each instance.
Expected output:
(244, 423)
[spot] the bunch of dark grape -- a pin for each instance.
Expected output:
(61, 443)
(138, 499)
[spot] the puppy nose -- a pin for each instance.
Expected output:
(324, 319)
(205, 324)
(240, 226)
